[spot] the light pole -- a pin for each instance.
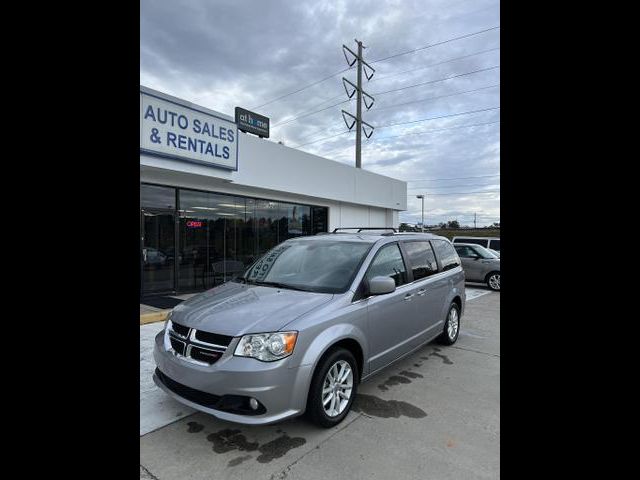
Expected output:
(422, 224)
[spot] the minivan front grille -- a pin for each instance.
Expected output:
(177, 345)
(203, 355)
(197, 346)
(213, 338)
(180, 329)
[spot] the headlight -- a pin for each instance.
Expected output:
(167, 340)
(168, 319)
(267, 346)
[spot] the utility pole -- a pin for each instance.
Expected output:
(474, 220)
(422, 224)
(359, 110)
(361, 95)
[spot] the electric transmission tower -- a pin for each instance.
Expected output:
(361, 94)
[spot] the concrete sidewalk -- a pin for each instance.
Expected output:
(434, 415)
(151, 314)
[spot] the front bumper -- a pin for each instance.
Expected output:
(278, 386)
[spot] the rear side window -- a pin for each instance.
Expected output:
(495, 245)
(422, 259)
(446, 253)
(388, 263)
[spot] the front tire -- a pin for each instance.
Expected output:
(333, 388)
(493, 281)
(449, 335)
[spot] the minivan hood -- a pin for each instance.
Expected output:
(236, 309)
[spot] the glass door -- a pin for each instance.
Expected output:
(157, 251)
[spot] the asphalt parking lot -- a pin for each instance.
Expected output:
(434, 415)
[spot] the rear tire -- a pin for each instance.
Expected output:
(449, 335)
(493, 281)
(335, 378)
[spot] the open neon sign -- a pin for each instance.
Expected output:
(194, 224)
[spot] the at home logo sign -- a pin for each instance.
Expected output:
(172, 130)
(251, 122)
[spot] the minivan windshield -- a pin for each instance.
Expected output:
(323, 266)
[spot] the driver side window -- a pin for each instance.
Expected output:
(465, 251)
(388, 263)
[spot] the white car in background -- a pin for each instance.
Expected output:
(492, 243)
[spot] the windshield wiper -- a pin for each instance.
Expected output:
(282, 285)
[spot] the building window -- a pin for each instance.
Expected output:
(319, 219)
(216, 236)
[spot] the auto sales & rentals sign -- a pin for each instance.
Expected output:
(171, 130)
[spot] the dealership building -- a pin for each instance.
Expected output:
(214, 198)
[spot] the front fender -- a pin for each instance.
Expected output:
(330, 336)
(321, 344)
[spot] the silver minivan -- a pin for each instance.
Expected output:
(480, 264)
(307, 322)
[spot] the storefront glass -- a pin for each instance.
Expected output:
(217, 236)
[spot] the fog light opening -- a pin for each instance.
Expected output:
(253, 403)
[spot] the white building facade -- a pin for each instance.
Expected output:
(214, 198)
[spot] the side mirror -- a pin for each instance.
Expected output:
(381, 285)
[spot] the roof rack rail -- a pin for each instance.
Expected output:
(360, 229)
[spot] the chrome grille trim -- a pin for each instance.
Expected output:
(191, 341)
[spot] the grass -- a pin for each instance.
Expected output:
(479, 232)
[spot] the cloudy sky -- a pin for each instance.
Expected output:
(227, 53)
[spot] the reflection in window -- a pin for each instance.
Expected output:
(320, 220)
(327, 266)
(422, 259)
(153, 196)
(446, 253)
(210, 238)
(465, 251)
(388, 263)
(294, 221)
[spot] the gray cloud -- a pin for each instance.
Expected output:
(225, 53)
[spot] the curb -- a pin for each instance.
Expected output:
(154, 317)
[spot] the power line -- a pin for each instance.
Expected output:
(421, 133)
(455, 186)
(309, 114)
(301, 89)
(436, 64)
(410, 133)
(375, 61)
(412, 70)
(451, 178)
(438, 117)
(438, 97)
(438, 130)
(304, 115)
(436, 81)
(459, 193)
(435, 44)
(320, 139)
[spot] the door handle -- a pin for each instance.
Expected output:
(408, 296)
(422, 291)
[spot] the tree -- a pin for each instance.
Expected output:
(453, 224)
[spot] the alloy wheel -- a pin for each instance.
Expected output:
(494, 281)
(453, 324)
(337, 388)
